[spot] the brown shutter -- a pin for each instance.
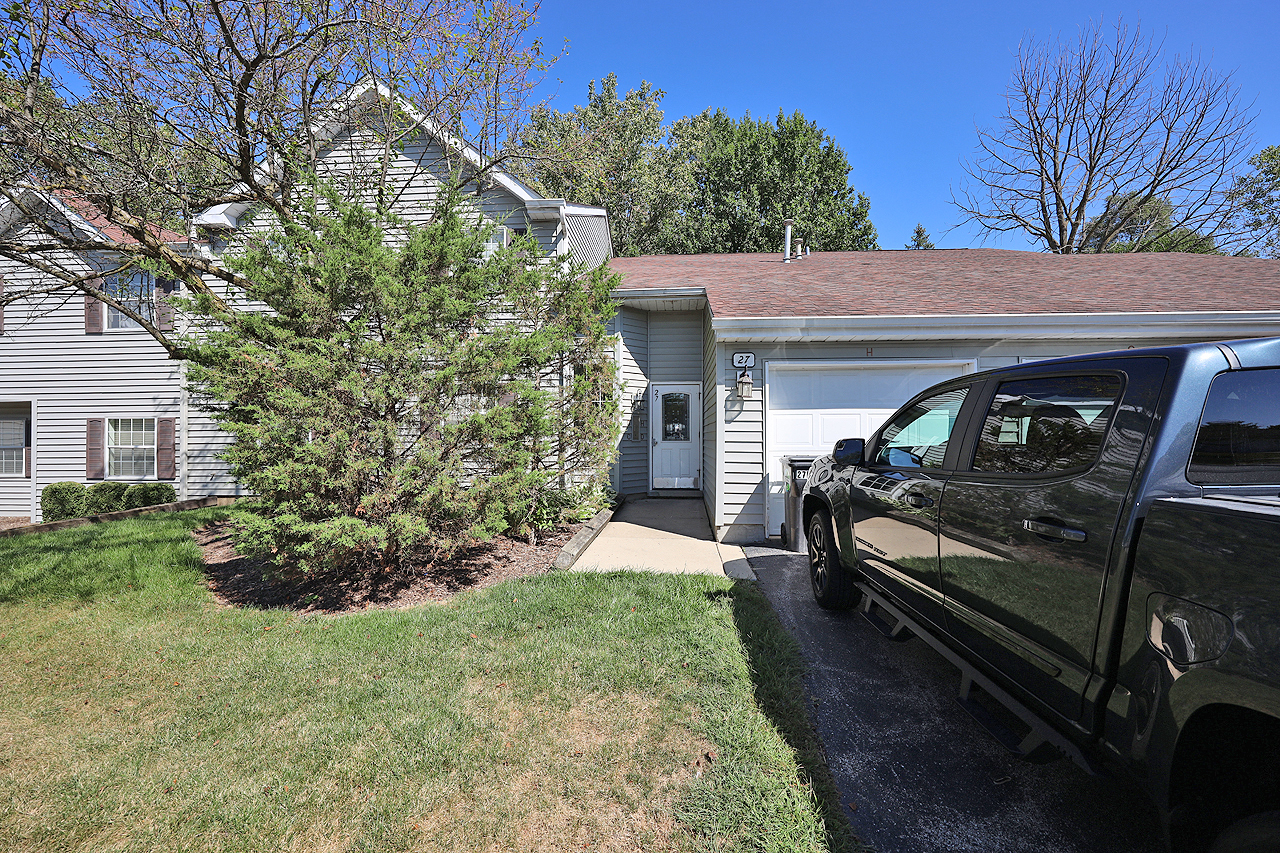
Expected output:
(166, 458)
(93, 310)
(26, 450)
(164, 308)
(95, 467)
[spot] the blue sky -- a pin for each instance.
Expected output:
(899, 86)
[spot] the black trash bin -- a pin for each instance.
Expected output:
(797, 468)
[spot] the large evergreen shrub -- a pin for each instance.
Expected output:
(59, 501)
(411, 389)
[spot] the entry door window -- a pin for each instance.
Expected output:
(675, 417)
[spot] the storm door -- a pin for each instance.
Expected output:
(676, 427)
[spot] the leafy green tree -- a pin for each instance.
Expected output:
(1259, 198)
(410, 389)
(607, 153)
(920, 239)
(748, 176)
(706, 183)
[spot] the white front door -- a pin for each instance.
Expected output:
(675, 422)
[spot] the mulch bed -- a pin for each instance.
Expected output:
(7, 521)
(238, 581)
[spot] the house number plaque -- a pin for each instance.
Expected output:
(744, 359)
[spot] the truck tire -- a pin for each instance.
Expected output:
(833, 587)
(1258, 833)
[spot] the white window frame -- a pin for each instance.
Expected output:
(116, 320)
(108, 444)
(20, 447)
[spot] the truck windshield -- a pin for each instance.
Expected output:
(1238, 442)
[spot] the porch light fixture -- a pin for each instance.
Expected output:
(744, 385)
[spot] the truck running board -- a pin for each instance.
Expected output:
(1042, 742)
(899, 630)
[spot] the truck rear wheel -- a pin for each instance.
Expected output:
(833, 587)
(1258, 833)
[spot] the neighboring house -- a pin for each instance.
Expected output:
(837, 341)
(87, 395)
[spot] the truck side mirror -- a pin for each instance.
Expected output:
(849, 451)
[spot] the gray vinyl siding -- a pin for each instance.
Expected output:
(712, 405)
(633, 450)
(675, 346)
(45, 355)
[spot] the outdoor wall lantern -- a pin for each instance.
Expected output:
(744, 385)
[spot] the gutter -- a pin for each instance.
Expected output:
(962, 327)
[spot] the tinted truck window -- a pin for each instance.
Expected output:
(1239, 437)
(918, 437)
(1046, 425)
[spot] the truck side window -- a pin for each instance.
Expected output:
(1046, 425)
(917, 438)
(1239, 437)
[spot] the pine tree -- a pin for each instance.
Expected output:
(920, 239)
(405, 397)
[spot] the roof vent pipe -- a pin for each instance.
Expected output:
(786, 241)
(799, 248)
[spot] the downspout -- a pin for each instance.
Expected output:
(183, 486)
(35, 465)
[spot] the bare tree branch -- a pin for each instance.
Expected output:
(152, 111)
(1096, 131)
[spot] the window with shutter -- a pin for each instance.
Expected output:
(131, 448)
(134, 289)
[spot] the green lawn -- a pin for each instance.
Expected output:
(564, 712)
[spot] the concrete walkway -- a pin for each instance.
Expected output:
(663, 535)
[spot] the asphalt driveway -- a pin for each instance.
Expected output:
(916, 774)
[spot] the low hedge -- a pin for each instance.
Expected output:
(64, 500)
(149, 494)
(106, 496)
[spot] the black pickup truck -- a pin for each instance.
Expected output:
(1095, 542)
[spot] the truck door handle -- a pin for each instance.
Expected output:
(919, 501)
(1054, 531)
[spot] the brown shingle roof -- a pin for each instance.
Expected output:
(92, 215)
(961, 281)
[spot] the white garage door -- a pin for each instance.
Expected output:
(812, 406)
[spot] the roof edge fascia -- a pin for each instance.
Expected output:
(1078, 326)
(623, 294)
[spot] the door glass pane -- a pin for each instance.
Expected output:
(917, 438)
(675, 417)
(1049, 425)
